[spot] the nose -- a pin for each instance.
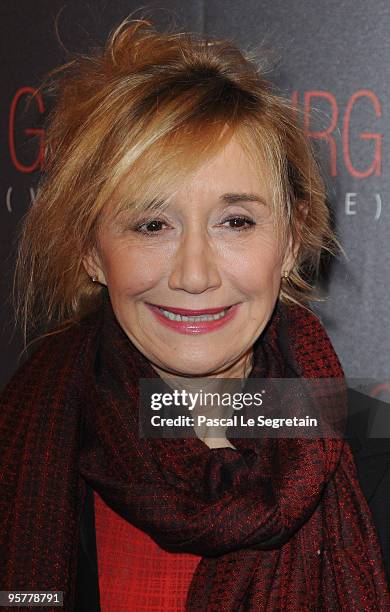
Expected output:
(195, 266)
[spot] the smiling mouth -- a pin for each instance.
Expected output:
(184, 318)
(180, 314)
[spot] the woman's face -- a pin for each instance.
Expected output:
(214, 249)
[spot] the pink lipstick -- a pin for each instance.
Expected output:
(187, 321)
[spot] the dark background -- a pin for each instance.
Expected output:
(333, 57)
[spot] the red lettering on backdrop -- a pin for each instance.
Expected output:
(323, 134)
(376, 164)
(25, 91)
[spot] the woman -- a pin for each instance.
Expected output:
(178, 219)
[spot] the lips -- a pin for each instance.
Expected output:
(171, 318)
(191, 313)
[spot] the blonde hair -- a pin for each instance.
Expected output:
(153, 106)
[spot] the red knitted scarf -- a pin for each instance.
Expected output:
(281, 525)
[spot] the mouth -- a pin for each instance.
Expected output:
(193, 321)
(182, 314)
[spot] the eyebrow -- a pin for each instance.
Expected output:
(233, 198)
(228, 198)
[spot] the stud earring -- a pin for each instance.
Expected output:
(94, 279)
(286, 274)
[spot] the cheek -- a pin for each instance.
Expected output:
(258, 270)
(131, 270)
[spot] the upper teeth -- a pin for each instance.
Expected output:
(207, 317)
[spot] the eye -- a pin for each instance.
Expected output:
(154, 226)
(151, 226)
(240, 223)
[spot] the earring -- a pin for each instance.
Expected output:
(286, 274)
(94, 279)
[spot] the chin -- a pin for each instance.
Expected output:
(192, 369)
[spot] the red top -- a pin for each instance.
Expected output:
(135, 574)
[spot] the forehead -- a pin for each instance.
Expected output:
(232, 167)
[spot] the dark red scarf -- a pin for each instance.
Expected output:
(288, 529)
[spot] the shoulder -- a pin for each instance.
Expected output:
(49, 353)
(367, 417)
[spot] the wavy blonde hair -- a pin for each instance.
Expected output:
(152, 106)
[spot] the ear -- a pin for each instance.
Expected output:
(93, 266)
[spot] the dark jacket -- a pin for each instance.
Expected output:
(367, 416)
(372, 458)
